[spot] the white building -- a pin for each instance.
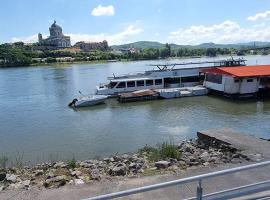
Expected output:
(242, 80)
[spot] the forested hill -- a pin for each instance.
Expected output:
(153, 44)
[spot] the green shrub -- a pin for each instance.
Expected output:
(169, 150)
(161, 152)
(72, 163)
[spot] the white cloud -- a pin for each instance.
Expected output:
(225, 32)
(260, 16)
(117, 38)
(28, 39)
(103, 11)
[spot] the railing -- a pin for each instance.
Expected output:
(231, 193)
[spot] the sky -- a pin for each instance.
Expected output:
(123, 21)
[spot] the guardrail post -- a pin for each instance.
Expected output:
(199, 190)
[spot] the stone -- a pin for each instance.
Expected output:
(173, 161)
(15, 186)
(38, 172)
(76, 173)
(50, 175)
(118, 170)
(212, 159)
(255, 157)
(2, 176)
(187, 148)
(194, 163)
(11, 178)
(132, 166)
(26, 184)
(95, 175)
(162, 164)
(205, 156)
(2, 188)
(59, 180)
(236, 155)
(78, 181)
(60, 165)
(125, 156)
(236, 161)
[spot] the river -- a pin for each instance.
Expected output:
(37, 124)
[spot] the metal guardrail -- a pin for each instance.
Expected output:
(232, 193)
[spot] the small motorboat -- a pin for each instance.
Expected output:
(84, 101)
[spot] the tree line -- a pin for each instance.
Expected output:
(19, 54)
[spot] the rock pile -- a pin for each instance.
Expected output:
(53, 175)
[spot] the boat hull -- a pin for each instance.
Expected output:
(89, 103)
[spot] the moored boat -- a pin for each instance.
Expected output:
(85, 101)
(165, 76)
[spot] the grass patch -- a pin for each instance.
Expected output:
(3, 161)
(162, 151)
(72, 163)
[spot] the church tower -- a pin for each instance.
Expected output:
(40, 38)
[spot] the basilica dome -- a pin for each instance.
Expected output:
(55, 30)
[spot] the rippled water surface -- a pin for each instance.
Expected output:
(35, 119)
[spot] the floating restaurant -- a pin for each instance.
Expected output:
(241, 81)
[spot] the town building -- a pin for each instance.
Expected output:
(239, 81)
(56, 38)
(91, 46)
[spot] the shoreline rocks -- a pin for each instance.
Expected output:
(194, 153)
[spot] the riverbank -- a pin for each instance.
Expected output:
(147, 161)
(56, 63)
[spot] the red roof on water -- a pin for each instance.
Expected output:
(242, 71)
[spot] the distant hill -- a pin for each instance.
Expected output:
(139, 45)
(153, 44)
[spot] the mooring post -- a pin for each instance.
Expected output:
(199, 190)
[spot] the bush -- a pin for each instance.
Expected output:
(72, 163)
(161, 152)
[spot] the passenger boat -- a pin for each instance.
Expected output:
(85, 101)
(165, 76)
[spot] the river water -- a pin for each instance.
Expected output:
(36, 123)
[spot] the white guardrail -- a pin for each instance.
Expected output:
(225, 194)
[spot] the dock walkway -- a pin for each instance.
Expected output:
(241, 141)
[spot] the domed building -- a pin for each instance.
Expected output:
(56, 38)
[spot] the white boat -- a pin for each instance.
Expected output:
(85, 101)
(162, 77)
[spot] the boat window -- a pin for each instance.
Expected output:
(158, 82)
(249, 80)
(140, 83)
(214, 78)
(236, 80)
(190, 79)
(131, 84)
(112, 84)
(121, 85)
(149, 82)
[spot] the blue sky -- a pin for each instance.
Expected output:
(123, 21)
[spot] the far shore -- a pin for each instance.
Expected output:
(41, 64)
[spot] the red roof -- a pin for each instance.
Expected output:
(242, 71)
